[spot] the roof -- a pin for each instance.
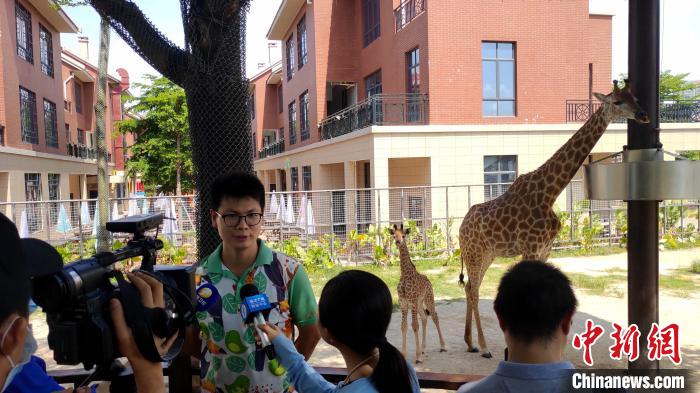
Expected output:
(55, 15)
(266, 70)
(284, 18)
(82, 65)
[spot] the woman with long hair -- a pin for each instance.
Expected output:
(354, 314)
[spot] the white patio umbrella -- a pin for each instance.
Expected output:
(144, 208)
(170, 227)
(310, 222)
(282, 211)
(274, 206)
(23, 225)
(95, 220)
(84, 213)
(115, 212)
(290, 210)
(133, 209)
(301, 219)
(63, 223)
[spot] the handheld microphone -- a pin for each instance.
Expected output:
(255, 308)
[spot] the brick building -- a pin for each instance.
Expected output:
(383, 93)
(47, 94)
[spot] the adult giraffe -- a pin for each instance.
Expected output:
(522, 221)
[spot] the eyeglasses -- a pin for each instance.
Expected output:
(233, 219)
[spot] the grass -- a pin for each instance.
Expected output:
(581, 252)
(695, 267)
(444, 278)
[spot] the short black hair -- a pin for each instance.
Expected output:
(532, 300)
(237, 185)
(15, 287)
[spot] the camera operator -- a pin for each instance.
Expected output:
(19, 261)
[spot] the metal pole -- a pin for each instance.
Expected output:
(643, 252)
(447, 220)
(332, 227)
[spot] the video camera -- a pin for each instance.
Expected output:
(76, 300)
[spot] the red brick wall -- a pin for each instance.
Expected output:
(16, 72)
(555, 41)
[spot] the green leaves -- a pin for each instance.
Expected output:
(159, 118)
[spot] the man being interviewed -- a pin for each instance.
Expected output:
(230, 358)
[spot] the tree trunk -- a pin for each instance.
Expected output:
(210, 70)
(178, 168)
(103, 236)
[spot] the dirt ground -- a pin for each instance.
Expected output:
(602, 310)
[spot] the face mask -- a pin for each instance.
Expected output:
(28, 349)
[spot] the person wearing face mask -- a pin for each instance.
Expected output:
(20, 372)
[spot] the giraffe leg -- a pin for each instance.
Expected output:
(414, 324)
(424, 324)
(404, 325)
(468, 324)
(474, 290)
(436, 321)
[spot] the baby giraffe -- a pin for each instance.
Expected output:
(415, 294)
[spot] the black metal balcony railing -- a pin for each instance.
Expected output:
(87, 153)
(379, 109)
(685, 111)
(272, 149)
(407, 11)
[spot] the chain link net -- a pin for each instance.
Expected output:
(211, 71)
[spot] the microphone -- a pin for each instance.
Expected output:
(254, 309)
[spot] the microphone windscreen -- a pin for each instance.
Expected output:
(249, 290)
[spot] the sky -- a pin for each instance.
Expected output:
(680, 33)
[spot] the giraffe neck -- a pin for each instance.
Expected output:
(407, 267)
(558, 171)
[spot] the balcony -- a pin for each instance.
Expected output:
(84, 152)
(272, 149)
(407, 11)
(379, 109)
(684, 111)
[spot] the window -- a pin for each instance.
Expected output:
(50, 124)
(499, 173)
(413, 104)
(81, 136)
(304, 115)
(302, 52)
(498, 78)
(2, 135)
(295, 179)
(24, 33)
(280, 135)
(32, 187)
(289, 45)
(78, 96)
(251, 104)
(54, 186)
(280, 99)
(413, 71)
(306, 177)
(283, 180)
(46, 51)
(68, 133)
(292, 113)
(27, 108)
(370, 21)
(373, 84)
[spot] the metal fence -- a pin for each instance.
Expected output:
(683, 111)
(379, 109)
(350, 223)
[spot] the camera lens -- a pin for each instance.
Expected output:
(50, 292)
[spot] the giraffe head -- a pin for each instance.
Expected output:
(399, 234)
(624, 103)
